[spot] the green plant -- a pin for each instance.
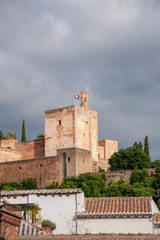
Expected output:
(23, 132)
(35, 215)
(41, 136)
(49, 224)
(29, 183)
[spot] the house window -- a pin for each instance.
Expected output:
(69, 159)
(59, 122)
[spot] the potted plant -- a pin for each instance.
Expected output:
(48, 225)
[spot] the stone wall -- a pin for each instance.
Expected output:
(71, 127)
(59, 130)
(68, 162)
(45, 170)
(32, 149)
(7, 155)
(96, 237)
(122, 174)
(101, 164)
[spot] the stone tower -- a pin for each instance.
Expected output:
(70, 127)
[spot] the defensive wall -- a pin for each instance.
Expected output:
(95, 237)
(48, 169)
(122, 174)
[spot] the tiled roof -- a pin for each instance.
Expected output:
(39, 192)
(116, 206)
(156, 218)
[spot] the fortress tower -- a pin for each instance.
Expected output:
(70, 127)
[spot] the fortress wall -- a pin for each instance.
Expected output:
(123, 174)
(86, 130)
(59, 130)
(45, 170)
(32, 149)
(103, 164)
(111, 147)
(101, 152)
(8, 143)
(75, 161)
(7, 155)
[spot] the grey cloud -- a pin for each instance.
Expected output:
(49, 50)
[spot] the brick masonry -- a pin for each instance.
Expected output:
(96, 237)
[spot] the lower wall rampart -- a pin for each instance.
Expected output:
(122, 174)
(95, 237)
(45, 170)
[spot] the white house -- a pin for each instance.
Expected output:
(118, 215)
(74, 214)
(58, 205)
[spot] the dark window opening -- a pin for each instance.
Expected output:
(59, 122)
(85, 99)
(69, 159)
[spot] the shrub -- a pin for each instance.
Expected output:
(49, 224)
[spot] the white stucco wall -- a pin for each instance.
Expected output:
(61, 210)
(115, 225)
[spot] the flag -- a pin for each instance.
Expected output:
(76, 96)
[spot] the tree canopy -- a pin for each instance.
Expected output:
(129, 158)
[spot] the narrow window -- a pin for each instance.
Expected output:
(69, 159)
(59, 122)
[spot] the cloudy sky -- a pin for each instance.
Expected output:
(51, 49)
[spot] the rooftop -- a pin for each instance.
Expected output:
(117, 206)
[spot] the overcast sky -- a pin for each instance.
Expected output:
(51, 49)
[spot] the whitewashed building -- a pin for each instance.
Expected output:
(58, 205)
(74, 214)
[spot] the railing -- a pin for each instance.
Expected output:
(27, 228)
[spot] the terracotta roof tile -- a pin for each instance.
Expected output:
(156, 217)
(117, 206)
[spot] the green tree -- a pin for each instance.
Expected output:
(140, 145)
(135, 144)
(146, 145)
(23, 132)
(29, 183)
(1, 135)
(11, 135)
(138, 176)
(129, 158)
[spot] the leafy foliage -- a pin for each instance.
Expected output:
(29, 183)
(129, 158)
(138, 176)
(11, 135)
(49, 224)
(35, 215)
(41, 136)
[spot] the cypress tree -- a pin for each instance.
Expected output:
(146, 145)
(135, 144)
(23, 132)
(140, 145)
